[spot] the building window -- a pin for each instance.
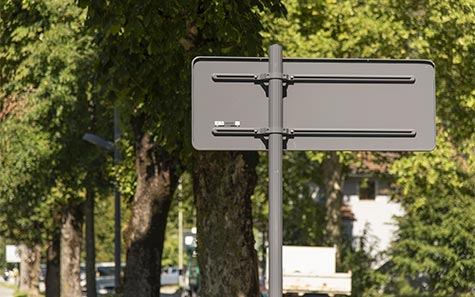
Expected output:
(367, 189)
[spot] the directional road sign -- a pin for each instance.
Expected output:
(328, 104)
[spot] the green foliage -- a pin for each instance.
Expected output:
(338, 29)
(435, 247)
(104, 228)
(24, 178)
(185, 196)
(146, 50)
(442, 31)
(303, 210)
(21, 294)
(366, 281)
(125, 171)
(45, 68)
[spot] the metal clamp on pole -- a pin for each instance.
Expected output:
(264, 134)
(265, 77)
(261, 133)
(262, 79)
(247, 77)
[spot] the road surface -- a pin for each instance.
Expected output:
(6, 292)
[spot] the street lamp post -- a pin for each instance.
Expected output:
(180, 231)
(117, 226)
(94, 139)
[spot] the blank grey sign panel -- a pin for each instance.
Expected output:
(329, 104)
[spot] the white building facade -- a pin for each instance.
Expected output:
(372, 210)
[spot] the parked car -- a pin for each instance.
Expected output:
(170, 276)
(105, 285)
(105, 278)
(105, 269)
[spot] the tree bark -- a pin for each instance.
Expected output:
(35, 263)
(52, 281)
(145, 232)
(24, 268)
(332, 174)
(30, 269)
(71, 237)
(223, 184)
(90, 244)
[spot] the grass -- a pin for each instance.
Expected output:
(17, 293)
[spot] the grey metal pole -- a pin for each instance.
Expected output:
(180, 232)
(117, 226)
(275, 170)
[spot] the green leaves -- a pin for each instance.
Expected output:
(45, 67)
(435, 238)
(338, 29)
(24, 153)
(441, 31)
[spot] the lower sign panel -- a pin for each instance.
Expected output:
(384, 105)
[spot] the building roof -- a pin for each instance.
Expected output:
(373, 162)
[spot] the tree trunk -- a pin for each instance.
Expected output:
(90, 244)
(71, 237)
(223, 185)
(35, 263)
(332, 174)
(30, 269)
(24, 268)
(52, 279)
(145, 233)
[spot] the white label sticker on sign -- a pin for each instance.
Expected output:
(227, 124)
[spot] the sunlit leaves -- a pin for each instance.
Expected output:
(435, 239)
(437, 188)
(442, 31)
(45, 56)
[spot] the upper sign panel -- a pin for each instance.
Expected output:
(329, 104)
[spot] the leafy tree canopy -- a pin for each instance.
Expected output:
(45, 68)
(434, 252)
